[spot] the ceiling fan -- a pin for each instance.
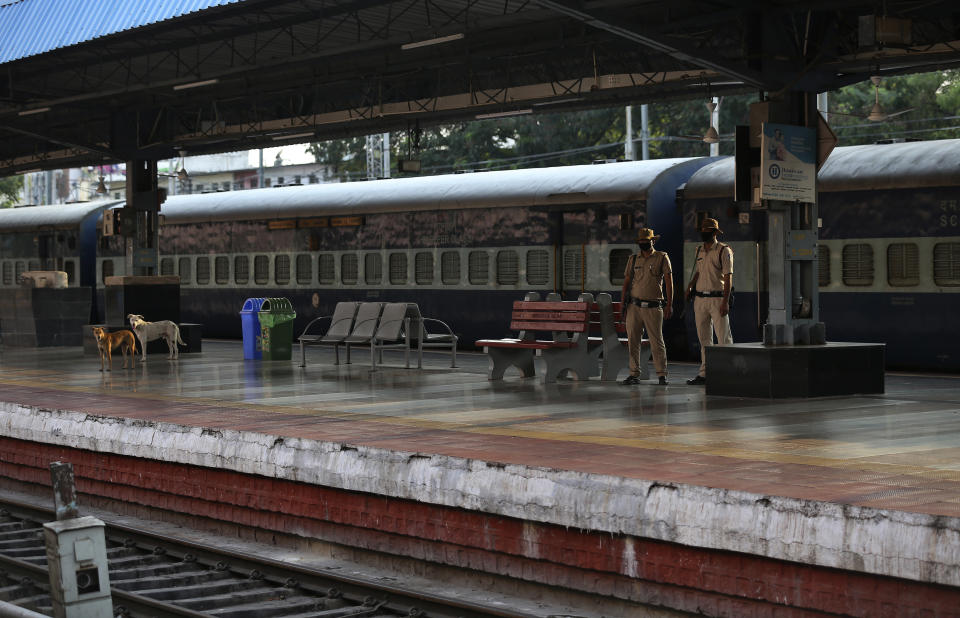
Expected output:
(710, 136)
(876, 113)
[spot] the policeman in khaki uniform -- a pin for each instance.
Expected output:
(710, 287)
(648, 288)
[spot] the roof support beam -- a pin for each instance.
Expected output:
(744, 74)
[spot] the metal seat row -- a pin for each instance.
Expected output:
(379, 326)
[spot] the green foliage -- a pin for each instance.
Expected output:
(10, 190)
(346, 158)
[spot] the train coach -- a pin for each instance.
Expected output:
(888, 251)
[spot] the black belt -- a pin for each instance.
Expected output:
(708, 294)
(647, 304)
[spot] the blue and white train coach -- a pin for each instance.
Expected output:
(888, 254)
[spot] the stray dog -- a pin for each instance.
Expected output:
(148, 331)
(106, 342)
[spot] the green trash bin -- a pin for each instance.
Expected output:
(276, 328)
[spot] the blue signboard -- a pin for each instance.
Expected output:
(788, 163)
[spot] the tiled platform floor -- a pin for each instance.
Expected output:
(900, 450)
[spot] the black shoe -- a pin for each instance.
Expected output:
(631, 380)
(663, 381)
(697, 380)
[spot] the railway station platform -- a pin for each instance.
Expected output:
(659, 496)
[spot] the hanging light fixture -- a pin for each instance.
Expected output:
(101, 187)
(182, 174)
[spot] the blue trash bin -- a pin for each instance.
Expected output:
(250, 320)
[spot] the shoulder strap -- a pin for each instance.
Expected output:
(720, 248)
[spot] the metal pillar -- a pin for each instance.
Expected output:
(141, 218)
(715, 123)
(378, 156)
(629, 151)
(644, 132)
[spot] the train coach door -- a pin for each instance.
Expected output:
(570, 259)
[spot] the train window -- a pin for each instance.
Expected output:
(7, 273)
(903, 264)
(372, 268)
(450, 268)
(478, 265)
(618, 265)
(508, 267)
(34, 265)
(221, 270)
(70, 269)
(304, 269)
(326, 269)
(423, 268)
(823, 265)
(281, 269)
(184, 270)
(261, 269)
(946, 263)
(203, 270)
(857, 264)
(398, 268)
(349, 268)
(106, 270)
(166, 266)
(241, 269)
(573, 267)
(538, 267)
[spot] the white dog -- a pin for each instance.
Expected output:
(148, 331)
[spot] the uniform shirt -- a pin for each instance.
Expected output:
(712, 265)
(646, 275)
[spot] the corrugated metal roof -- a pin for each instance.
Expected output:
(40, 217)
(580, 184)
(869, 167)
(32, 27)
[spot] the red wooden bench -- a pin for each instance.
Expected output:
(566, 349)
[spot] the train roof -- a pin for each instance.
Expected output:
(578, 184)
(855, 168)
(53, 216)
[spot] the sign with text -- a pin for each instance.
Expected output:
(788, 163)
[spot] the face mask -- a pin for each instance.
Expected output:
(707, 236)
(644, 246)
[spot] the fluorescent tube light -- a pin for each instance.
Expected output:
(515, 112)
(436, 41)
(206, 82)
(36, 110)
(294, 136)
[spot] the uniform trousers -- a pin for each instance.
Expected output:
(709, 320)
(650, 318)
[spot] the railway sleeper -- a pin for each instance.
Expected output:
(167, 581)
(37, 554)
(20, 533)
(199, 590)
(10, 544)
(254, 595)
(294, 605)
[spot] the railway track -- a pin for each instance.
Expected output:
(152, 576)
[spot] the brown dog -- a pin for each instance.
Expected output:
(107, 342)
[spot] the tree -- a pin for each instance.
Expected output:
(345, 157)
(10, 190)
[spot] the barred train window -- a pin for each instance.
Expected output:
(398, 268)
(203, 270)
(450, 268)
(281, 269)
(221, 270)
(166, 266)
(7, 273)
(68, 267)
(508, 267)
(184, 270)
(823, 265)
(573, 267)
(372, 268)
(21, 266)
(857, 264)
(326, 269)
(261, 269)
(478, 265)
(618, 264)
(903, 264)
(106, 270)
(349, 268)
(304, 269)
(241, 269)
(946, 264)
(423, 268)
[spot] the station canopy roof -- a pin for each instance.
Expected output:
(84, 83)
